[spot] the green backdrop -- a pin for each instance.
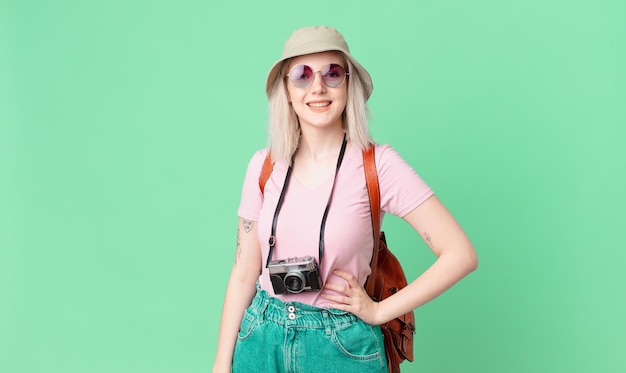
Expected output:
(126, 127)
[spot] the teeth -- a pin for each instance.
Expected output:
(319, 104)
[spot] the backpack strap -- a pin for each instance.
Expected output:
(373, 190)
(266, 171)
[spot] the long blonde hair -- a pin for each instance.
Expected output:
(284, 129)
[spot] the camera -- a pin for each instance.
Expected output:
(294, 275)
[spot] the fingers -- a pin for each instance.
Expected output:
(338, 299)
(346, 276)
(346, 294)
(338, 288)
(351, 297)
(352, 282)
(340, 294)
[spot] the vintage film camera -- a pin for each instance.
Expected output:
(294, 275)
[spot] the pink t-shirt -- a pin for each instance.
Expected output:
(348, 233)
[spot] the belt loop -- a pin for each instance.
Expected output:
(263, 308)
(263, 303)
(326, 320)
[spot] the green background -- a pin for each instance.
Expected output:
(126, 127)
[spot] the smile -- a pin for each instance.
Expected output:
(318, 104)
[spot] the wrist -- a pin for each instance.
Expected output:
(382, 314)
(220, 367)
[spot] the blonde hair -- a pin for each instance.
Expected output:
(284, 129)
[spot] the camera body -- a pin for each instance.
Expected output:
(294, 275)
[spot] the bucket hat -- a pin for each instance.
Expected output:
(317, 39)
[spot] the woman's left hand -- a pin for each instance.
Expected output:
(352, 298)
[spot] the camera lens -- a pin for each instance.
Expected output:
(294, 282)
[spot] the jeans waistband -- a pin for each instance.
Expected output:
(295, 314)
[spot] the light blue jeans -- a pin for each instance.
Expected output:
(297, 338)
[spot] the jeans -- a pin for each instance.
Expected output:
(296, 338)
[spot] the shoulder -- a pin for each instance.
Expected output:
(260, 154)
(386, 156)
(401, 188)
(257, 159)
(261, 167)
(389, 163)
(383, 149)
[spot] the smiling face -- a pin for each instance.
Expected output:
(318, 106)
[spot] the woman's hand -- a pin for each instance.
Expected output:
(352, 298)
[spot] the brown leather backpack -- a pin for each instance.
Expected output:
(387, 277)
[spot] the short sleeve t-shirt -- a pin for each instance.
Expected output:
(348, 238)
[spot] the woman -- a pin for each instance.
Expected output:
(295, 299)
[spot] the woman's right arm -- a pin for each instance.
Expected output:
(239, 292)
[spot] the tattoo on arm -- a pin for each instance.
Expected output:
(428, 240)
(247, 225)
(238, 256)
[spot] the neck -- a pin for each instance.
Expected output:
(320, 145)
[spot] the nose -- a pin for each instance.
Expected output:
(318, 85)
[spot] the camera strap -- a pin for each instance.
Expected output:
(272, 239)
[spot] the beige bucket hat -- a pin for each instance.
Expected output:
(317, 39)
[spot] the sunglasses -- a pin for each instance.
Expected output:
(302, 76)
